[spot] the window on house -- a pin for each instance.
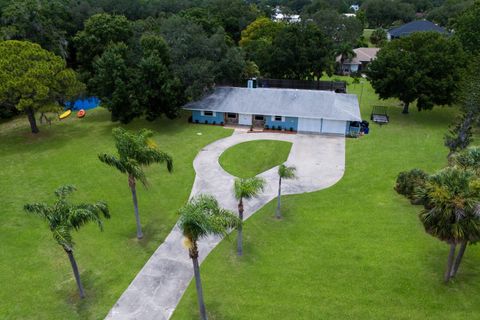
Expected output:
(208, 113)
(259, 118)
(232, 115)
(278, 118)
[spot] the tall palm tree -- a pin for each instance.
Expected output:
(245, 189)
(135, 151)
(452, 213)
(63, 217)
(284, 172)
(200, 217)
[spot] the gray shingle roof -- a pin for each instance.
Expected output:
(282, 102)
(415, 26)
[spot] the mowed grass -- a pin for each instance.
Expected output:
(35, 275)
(247, 159)
(367, 33)
(354, 251)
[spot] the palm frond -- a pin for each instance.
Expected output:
(63, 191)
(163, 157)
(113, 162)
(135, 170)
(286, 172)
(203, 215)
(453, 201)
(248, 188)
(63, 237)
(39, 209)
(63, 216)
(468, 159)
(136, 148)
(86, 212)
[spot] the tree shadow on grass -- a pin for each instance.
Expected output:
(69, 293)
(154, 234)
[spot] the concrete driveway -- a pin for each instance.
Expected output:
(159, 286)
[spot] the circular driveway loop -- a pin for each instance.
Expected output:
(159, 286)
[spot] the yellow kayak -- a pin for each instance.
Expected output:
(65, 114)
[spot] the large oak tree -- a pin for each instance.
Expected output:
(424, 67)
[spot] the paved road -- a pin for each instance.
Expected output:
(159, 286)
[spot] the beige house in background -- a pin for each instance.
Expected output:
(363, 56)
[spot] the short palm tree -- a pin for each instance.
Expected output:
(200, 217)
(284, 172)
(453, 211)
(468, 159)
(63, 217)
(135, 151)
(245, 189)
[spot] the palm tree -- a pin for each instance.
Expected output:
(200, 217)
(245, 189)
(468, 159)
(135, 151)
(345, 51)
(452, 213)
(284, 172)
(63, 217)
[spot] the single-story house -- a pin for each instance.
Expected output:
(414, 26)
(363, 56)
(306, 111)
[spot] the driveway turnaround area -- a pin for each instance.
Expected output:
(159, 286)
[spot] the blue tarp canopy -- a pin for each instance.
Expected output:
(85, 104)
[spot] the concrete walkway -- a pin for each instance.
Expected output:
(159, 286)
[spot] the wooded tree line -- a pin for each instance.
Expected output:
(377, 13)
(140, 59)
(146, 59)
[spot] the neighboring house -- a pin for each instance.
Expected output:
(355, 7)
(308, 111)
(414, 26)
(279, 16)
(363, 56)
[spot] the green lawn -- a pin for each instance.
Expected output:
(35, 275)
(367, 33)
(248, 159)
(354, 251)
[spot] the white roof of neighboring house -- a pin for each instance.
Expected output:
(362, 55)
(282, 102)
(286, 17)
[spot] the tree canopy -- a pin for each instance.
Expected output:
(466, 29)
(100, 31)
(381, 13)
(424, 67)
(41, 21)
(33, 79)
(292, 51)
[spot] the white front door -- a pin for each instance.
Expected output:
(334, 126)
(245, 119)
(309, 125)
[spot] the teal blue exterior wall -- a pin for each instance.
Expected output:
(218, 118)
(290, 122)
